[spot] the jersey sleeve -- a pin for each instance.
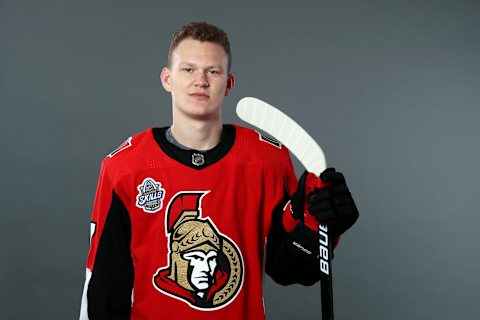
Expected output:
(292, 248)
(107, 292)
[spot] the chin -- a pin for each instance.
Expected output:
(203, 112)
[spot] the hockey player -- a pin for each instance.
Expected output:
(182, 213)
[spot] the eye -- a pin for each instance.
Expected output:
(187, 69)
(192, 257)
(213, 71)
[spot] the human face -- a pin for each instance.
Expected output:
(203, 267)
(197, 79)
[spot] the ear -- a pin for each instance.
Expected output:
(230, 84)
(165, 79)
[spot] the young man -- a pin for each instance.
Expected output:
(182, 213)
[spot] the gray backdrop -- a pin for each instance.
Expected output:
(390, 89)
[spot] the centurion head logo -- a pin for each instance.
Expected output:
(205, 268)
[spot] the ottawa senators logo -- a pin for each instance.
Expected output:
(205, 267)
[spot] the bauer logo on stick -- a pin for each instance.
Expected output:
(324, 256)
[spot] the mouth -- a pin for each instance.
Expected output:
(199, 96)
(202, 278)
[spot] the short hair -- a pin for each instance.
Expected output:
(201, 31)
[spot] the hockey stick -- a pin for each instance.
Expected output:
(277, 124)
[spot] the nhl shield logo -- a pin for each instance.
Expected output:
(198, 159)
(150, 196)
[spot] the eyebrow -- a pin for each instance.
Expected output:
(191, 64)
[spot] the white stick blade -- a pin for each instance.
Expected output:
(277, 124)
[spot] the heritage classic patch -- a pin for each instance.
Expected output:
(150, 196)
(205, 267)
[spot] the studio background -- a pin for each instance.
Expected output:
(390, 89)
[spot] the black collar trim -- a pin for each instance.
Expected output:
(194, 158)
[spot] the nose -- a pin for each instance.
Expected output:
(201, 79)
(203, 267)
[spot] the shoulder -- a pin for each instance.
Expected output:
(258, 140)
(131, 143)
(129, 154)
(254, 136)
(261, 147)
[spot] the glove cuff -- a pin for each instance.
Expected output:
(288, 221)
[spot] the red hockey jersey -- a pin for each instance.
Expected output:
(180, 234)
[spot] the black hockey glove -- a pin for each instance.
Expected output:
(327, 200)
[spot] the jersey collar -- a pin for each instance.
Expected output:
(196, 159)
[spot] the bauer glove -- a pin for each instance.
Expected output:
(324, 200)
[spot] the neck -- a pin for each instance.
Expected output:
(197, 134)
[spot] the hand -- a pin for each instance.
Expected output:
(327, 200)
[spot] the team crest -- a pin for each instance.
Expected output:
(205, 268)
(125, 144)
(150, 196)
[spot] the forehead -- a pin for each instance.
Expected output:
(203, 250)
(199, 52)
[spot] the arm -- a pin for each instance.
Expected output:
(108, 288)
(293, 244)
